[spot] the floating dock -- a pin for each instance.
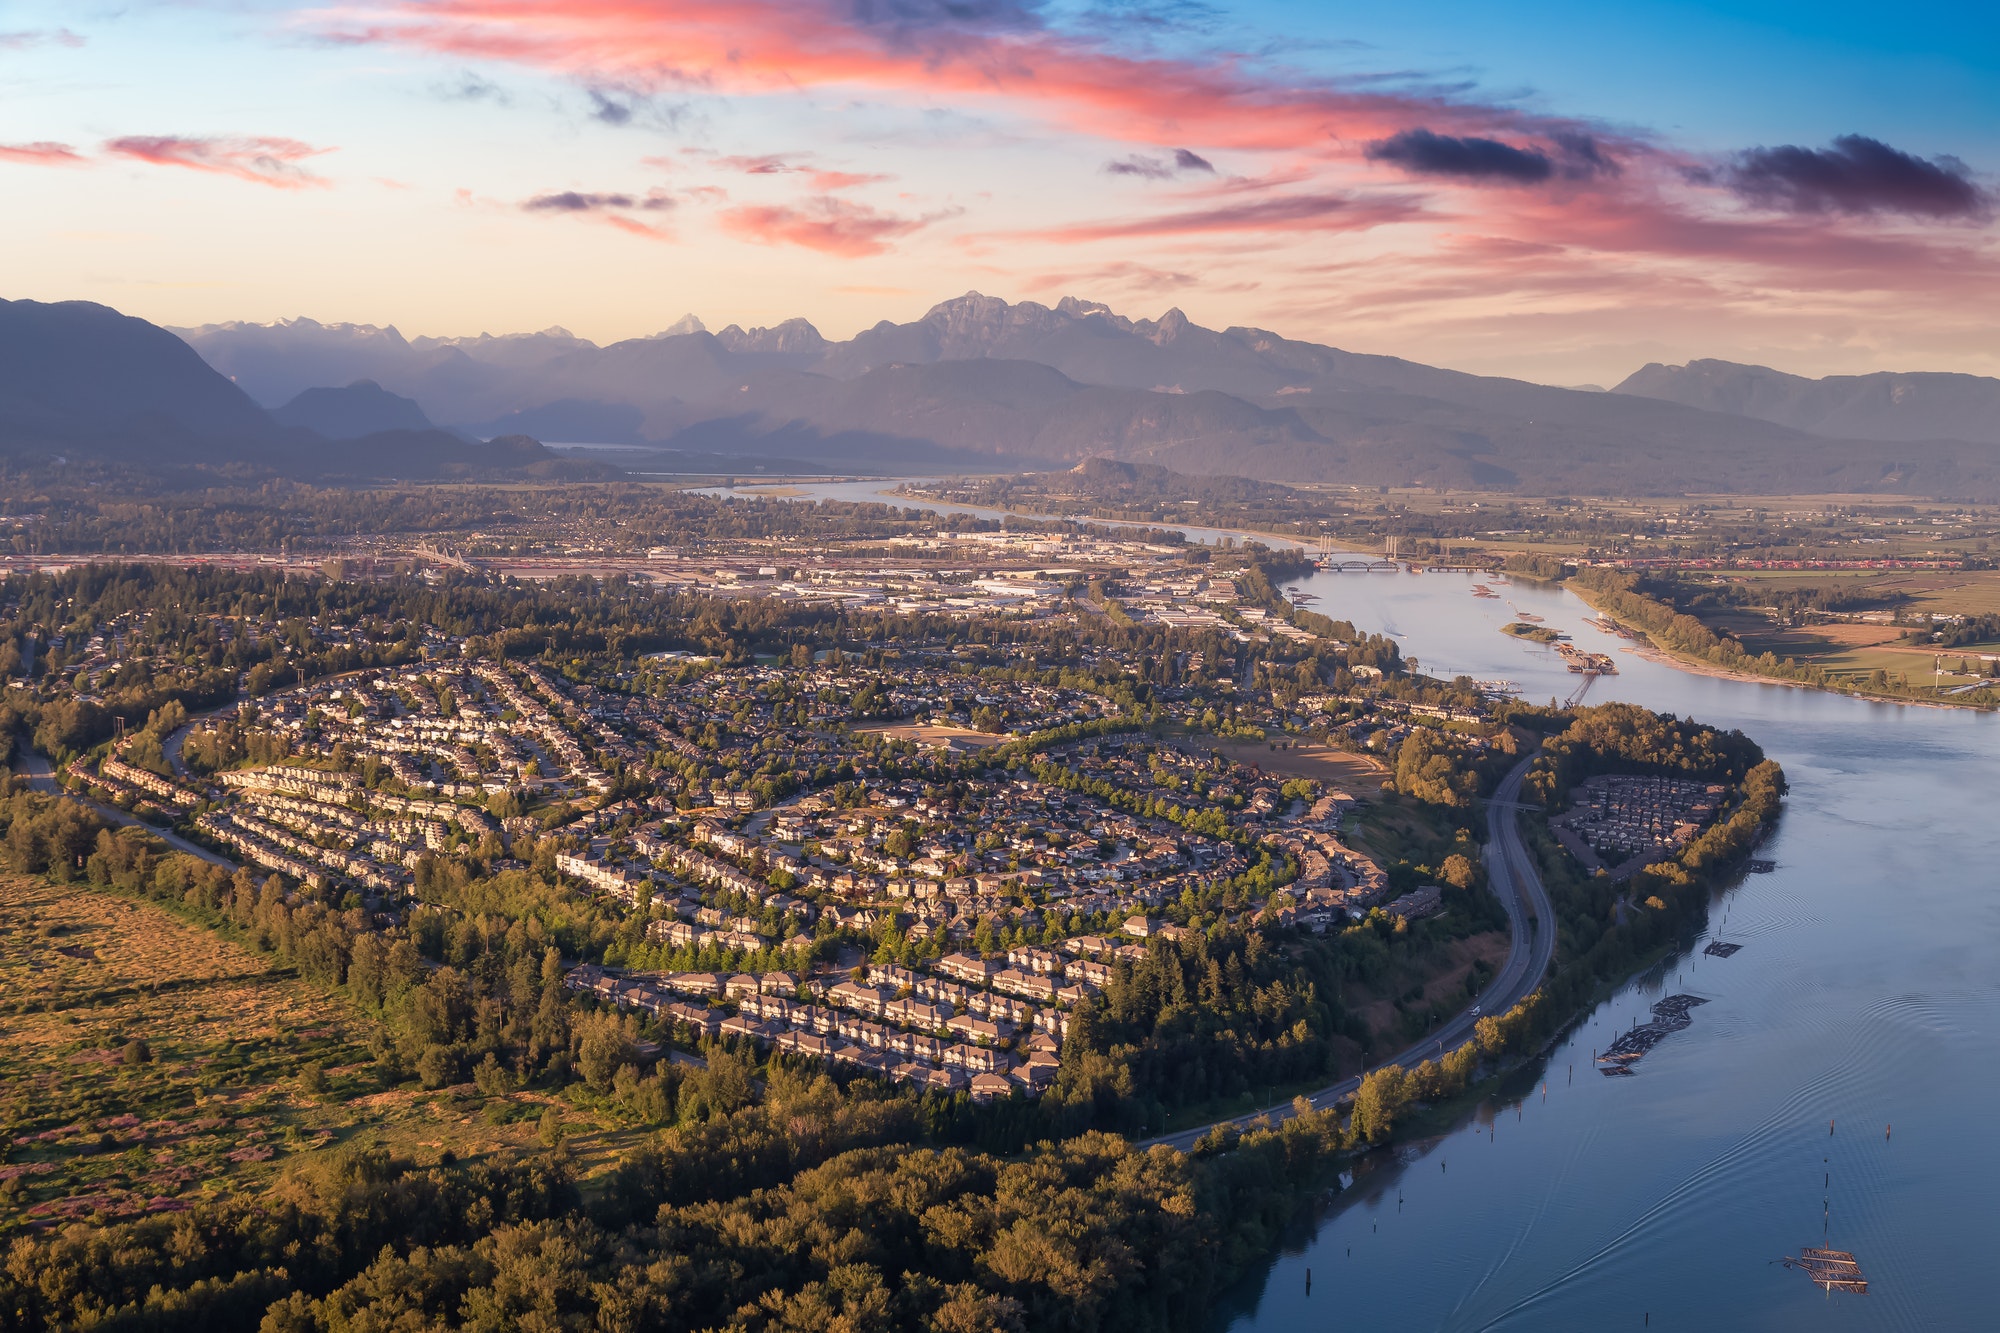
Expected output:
(1610, 626)
(1669, 1016)
(1836, 1270)
(1577, 660)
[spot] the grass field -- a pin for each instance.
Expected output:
(220, 1097)
(1862, 648)
(1944, 591)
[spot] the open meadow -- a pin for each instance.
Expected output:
(145, 1062)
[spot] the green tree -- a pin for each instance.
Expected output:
(1380, 1099)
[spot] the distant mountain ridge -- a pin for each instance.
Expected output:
(979, 382)
(362, 408)
(1885, 405)
(80, 381)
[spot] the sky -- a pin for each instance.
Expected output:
(1557, 191)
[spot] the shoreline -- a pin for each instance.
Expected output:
(1645, 647)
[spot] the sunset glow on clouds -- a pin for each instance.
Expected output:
(609, 164)
(265, 161)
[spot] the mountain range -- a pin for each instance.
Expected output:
(81, 381)
(977, 384)
(1888, 405)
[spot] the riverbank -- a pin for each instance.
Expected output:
(1650, 648)
(1666, 1191)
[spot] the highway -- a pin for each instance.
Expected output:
(1511, 874)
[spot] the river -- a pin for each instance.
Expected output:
(1866, 993)
(880, 491)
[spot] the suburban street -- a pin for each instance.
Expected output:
(1512, 876)
(34, 766)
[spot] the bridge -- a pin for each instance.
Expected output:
(1359, 565)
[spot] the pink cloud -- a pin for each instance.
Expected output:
(1512, 174)
(764, 164)
(264, 160)
(757, 46)
(829, 225)
(43, 154)
(847, 180)
(634, 227)
(1280, 213)
(777, 164)
(1122, 274)
(21, 41)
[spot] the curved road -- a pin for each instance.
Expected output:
(1511, 874)
(34, 766)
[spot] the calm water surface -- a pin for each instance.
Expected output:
(1867, 993)
(879, 491)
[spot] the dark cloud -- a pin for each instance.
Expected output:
(609, 109)
(1856, 175)
(1581, 157)
(469, 87)
(1430, 154)
(933, 15)
(1159, 169)
(1149, 168)
(1569, 155)
(627, 106)
(576, 201)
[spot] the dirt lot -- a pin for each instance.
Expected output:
(1358, 774)
(925, 734)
